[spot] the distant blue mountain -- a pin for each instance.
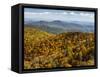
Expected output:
(58, 26)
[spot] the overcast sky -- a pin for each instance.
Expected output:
(63, 15)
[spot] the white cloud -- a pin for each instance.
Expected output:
(64, 13)
(34, 13)
(87, 15)
(46, 13)
(84, 14)
(43, 13)
(29, 13)
(72, 13)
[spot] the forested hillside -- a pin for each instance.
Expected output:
(47, 50)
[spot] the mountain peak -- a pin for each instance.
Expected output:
(57, 21)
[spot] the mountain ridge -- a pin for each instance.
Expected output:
(64, 26)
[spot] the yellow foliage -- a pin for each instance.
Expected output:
(46, 50)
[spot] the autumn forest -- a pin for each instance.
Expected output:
(58, 38)
(48, 50)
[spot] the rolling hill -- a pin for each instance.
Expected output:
(47, 50)
(58, 26)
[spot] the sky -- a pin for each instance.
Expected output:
(36, 14)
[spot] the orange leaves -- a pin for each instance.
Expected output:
(45, 50)
(27, 64)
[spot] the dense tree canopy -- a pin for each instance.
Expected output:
(46, 50)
